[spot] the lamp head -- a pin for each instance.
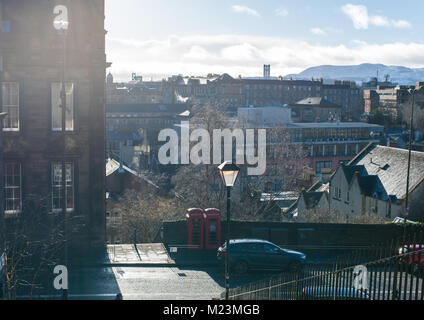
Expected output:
(229, 173)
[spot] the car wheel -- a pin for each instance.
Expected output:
(294, 266)
(241, 267)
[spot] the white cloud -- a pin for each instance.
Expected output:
(245, 55)
(361, 19)
(379, 21)
(401, 24)
(197, 53)
(358, 15)
(246, 10)
(281, 12)
(318, 31)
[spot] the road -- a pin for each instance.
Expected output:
(145, 283)
(179, 283)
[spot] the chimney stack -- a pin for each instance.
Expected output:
(267, 71)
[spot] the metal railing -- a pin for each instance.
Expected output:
(390, 271)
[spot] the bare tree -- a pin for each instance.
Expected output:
(200, 185)
(35, 240)
(418, 114)
(143, 213)
(315, 215)
(367, 219)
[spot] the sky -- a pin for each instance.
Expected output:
(160, 38)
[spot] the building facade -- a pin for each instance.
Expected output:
(371, 101)
(346, 94)
(238, 92)
(133, 131)
(392, 100)
(325, 145)
(315, 109)
(36, 59)
(374, 184)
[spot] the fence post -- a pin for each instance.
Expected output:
(411, 267)
(420, 247)
(395, 295)
(334, 280)
(270, 289)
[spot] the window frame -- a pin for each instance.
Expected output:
(52, 116)
(18, 107)
(59, 186)
(12, 212)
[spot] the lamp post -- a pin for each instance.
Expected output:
(229, 173)
(61, 24)
(411, 137)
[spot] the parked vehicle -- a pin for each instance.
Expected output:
(402, 220)
(413, 256)
(256, 254)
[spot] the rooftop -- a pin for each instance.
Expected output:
(334, 125)
(312, 198)
(280, 196)
(390, 165)
(317, 102)
(176, 108)
(113, 166)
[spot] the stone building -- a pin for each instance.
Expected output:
(392, 100)
(374, 184)
(311, 205)
(371, 101)
(133, 131)
(36, 56)
(2, 115)
(315, 109)
(348, 95)
(371, 185)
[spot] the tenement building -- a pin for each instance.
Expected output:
(51, 162)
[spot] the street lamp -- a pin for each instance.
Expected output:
(411, 137)
(61, 24)
(229, 173)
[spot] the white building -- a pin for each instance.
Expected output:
(374, 183)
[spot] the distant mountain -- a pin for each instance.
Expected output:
(362, 73)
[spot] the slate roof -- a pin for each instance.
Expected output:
(317, 102)
(349, 171)
(370, 186)
(312, 198)
(113, 166)
(390, 166)
(176, 108)
(224, 78)
(280, 196)
(318, 186)
(311, 125)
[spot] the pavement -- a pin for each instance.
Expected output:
(147, 255)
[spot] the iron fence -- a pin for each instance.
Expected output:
(389, 271)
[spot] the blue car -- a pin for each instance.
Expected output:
(256, 254)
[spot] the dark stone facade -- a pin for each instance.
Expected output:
(2, 115)
(32, 52)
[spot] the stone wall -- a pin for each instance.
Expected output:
(293, 234)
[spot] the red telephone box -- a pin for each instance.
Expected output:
(195, 225)
(212, 228)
